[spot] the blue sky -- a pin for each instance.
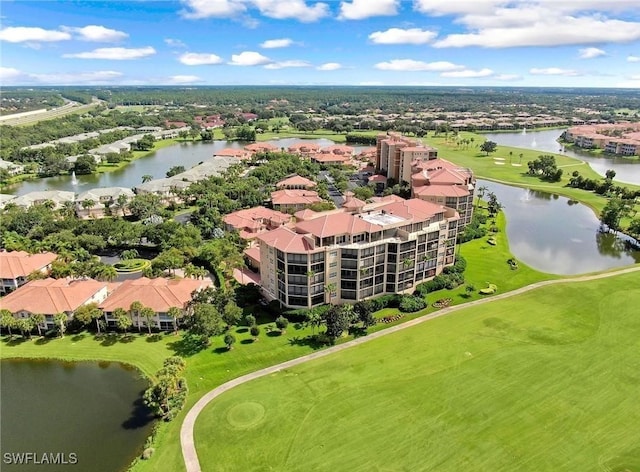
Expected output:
(567, 43)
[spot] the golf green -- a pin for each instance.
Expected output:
(544, 381)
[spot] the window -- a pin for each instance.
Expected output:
(333, 275)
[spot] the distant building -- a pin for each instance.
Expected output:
(15, 267)
(253, 221)
(395, 153)
(102, 199)
(52, 296)
(291, 201)
(159, 294)
(296, 182)
(57, 198)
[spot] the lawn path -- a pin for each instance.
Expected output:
(192, 464)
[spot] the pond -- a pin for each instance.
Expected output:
(93, 410)
(552, 234)
(156, 164)
(627, 169)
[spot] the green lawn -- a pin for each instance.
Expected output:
(210, 368)
(485, 167)
(545, 381)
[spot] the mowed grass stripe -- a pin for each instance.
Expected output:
(547, 380)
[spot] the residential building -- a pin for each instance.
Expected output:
(241, 154)
(15, 267)
(296, 182)
(290, 201)
(395, 155)
(253, 221)
(444, 183)
(98, 202)
(52, 296)
(11, 167)
(159, 294)
(57, 198)
(341, 256)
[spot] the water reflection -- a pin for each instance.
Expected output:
(627, 170)
(553, 234)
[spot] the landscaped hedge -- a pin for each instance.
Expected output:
(411, 304)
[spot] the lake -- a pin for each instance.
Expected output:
(93, 410)
(155, 164)
(552, 234)
(627, 169)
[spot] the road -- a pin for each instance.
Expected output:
(36, 116)
(192, 464)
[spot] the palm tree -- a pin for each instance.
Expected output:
(175, 313)
(121, 203)
(148, 314)
(520, 156)
(123, 321)
(88, 204)
(481, 191)
(61, 320)
(146, 178)
(68, 209)
(406, 263)
(25, 326)
(107, 273)
(7, 320)
(135, 309)
(329, 289)
(37, 319)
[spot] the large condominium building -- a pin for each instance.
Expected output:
(395, 154)
(442, 182)
(340, 257)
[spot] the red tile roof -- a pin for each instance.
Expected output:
(335, 224)
(286, 240)
(253, 253)
(159, 294)
(51, 296)
(441, 191)
(260, 147)
(256, 218)
(295, 197)
(296, 181)
(238, 153)
(16, 264)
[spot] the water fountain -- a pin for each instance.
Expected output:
(524, 130)
(533, 143)
(74, 179)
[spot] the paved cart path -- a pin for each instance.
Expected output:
(192, 464)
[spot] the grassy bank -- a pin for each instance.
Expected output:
(542, 381)
(509, 165)
(210, 368)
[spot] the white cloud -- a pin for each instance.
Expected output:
(292, 9)
(199, 59)
(633, 59)
(403, 36)
(174, 43)
(114, 54)
(184, 79)
(330, 66)
(287, 64)
(277, 43)
(412, 65)
(97, 33)
(249, 58)
(515, 23)
(198, 9)
(279, 9)
(468, 73)
(553, 71)
(8, 74)
(88, 78)
(590, 53)
(507, 77)
(361, 9)
(22, 34)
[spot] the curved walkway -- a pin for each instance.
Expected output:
(192, 464)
